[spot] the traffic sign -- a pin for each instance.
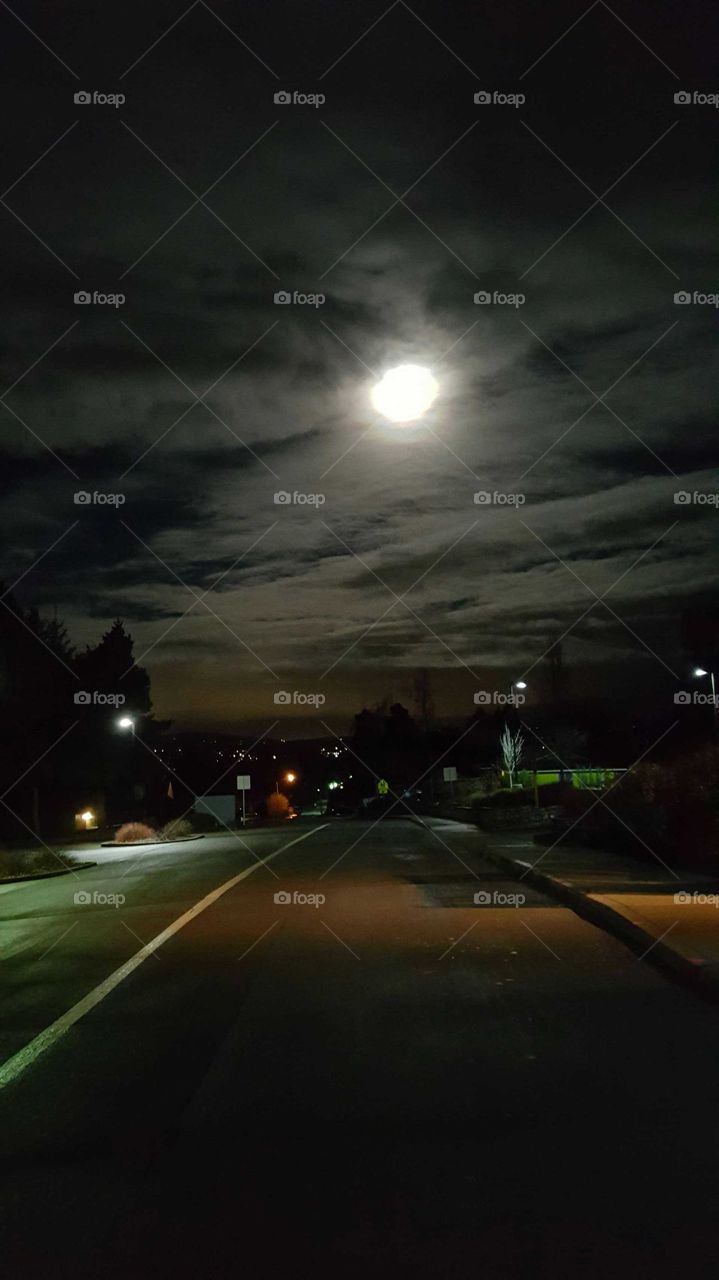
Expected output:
(243, 785)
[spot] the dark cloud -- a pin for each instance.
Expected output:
(303, 201)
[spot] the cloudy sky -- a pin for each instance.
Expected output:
(398, 198)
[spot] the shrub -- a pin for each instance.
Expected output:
(515, 799)
(177, 829)
(203, 822)
(29, 862)
(129, 832)
(669, 809)
(277, 805)
(556, 793)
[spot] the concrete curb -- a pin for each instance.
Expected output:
(135, 844)
(692, 971)
(47, 875)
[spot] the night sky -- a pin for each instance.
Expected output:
(398, 199)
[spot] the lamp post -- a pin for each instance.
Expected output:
(127, 722)
(699, 672)
(522, 684)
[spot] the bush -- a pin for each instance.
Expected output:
(670, 810)
(203, 822)
(29, 862)
(129, 832)
(278, 806)
(517, 798)
(556, 793)
(177, 829)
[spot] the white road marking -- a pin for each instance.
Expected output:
(21, 1060)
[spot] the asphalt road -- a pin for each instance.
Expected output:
(395, 1079)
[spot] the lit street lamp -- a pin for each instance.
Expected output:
(289, 778)
(126, 722)
(518, 684)
(699, 672)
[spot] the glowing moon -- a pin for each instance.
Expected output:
(405, 393)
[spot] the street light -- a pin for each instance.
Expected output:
(699, 672)
(517, 684)
(126, 722)
(289, 778)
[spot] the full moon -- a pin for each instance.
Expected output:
(405, 393)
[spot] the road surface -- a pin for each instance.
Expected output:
(371, 1073)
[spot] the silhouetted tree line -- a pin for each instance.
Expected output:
(60, 747)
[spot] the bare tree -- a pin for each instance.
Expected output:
(422, 695)
(512, 745)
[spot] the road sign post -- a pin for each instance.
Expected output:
(243, 785)
(449, 774)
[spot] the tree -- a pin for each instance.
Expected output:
(110, 761)
(512, 746)
(700, 632)
(422, 696)
(110, 668)
(36, 712)
(557, 674)
(568, 745)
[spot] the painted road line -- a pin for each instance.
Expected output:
(24, 1058)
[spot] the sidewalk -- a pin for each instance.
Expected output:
(633, 900)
